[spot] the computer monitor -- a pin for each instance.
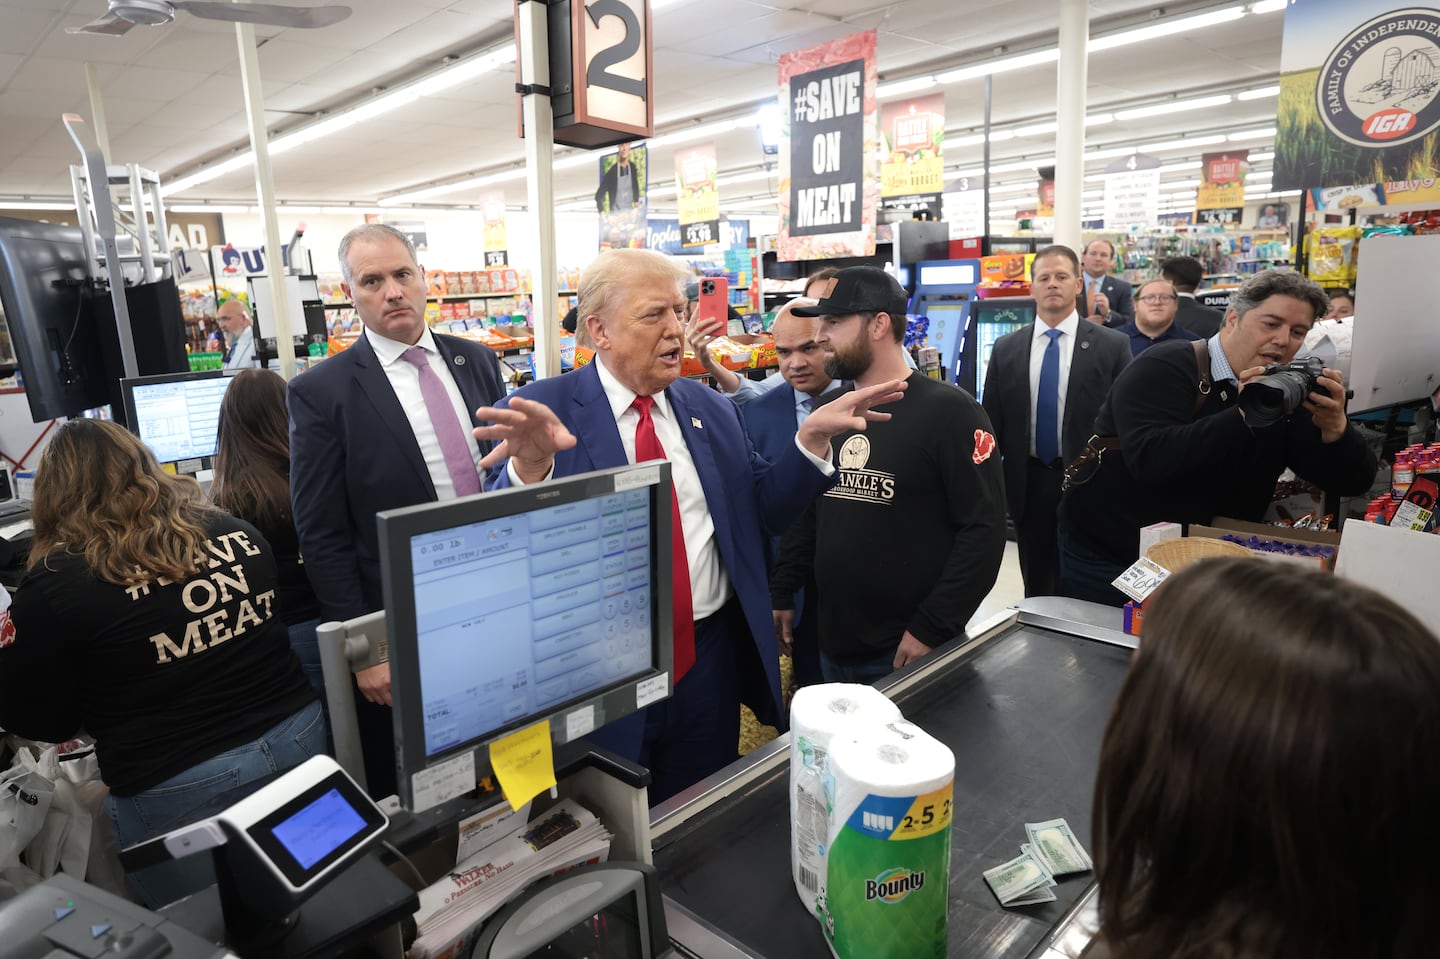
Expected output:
(177, 415)
(543, 602)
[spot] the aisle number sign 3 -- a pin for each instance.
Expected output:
(601, 65)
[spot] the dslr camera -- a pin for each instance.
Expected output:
(1279, 393)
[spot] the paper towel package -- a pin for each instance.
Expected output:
(888, 865)
(818, 714)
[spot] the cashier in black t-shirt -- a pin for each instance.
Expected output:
(148, 619)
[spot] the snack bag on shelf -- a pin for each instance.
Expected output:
(1332, 255)
(438, 285)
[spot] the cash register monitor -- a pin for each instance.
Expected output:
(549, 602)
(177, 415)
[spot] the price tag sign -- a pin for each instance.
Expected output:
(496, 258)
(1141, 579)
(700, 234)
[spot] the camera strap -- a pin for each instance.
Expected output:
(1087, 463)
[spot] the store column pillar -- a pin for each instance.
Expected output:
(539, 124)
(265, 188)
(1070, 80)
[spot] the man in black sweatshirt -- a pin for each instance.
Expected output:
(1180, 450)
(923, 489)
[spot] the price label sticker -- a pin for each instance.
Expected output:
(443, 781)
(496, 258)
(1141, 579)
(701, 234)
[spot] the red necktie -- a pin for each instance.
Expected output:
(647, 447)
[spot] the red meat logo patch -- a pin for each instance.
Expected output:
(7, 629)
(984, 446)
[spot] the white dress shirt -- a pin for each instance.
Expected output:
(1069, 328)
(405, 381)
(709, 584)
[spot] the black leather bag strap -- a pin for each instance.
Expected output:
(1202, 365)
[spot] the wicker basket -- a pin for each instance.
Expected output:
(1175, 554)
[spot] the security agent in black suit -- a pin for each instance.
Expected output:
(362, 440)
(1104, 299)
(1185, 274)
(1089, 358)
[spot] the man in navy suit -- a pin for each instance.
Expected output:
(632, 306)
(364, 438)
(1087, 359)
(772, 421)
(1106, 299)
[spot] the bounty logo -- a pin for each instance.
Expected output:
(1378, 87)
(893, 885)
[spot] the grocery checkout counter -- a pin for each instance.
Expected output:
(1023, 704)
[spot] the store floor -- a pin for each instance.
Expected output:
(1008, 589)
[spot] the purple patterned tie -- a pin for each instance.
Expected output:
(447, 428)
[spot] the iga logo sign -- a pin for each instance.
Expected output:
(1379, 86)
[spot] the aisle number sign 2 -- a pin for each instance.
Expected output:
(601, 68)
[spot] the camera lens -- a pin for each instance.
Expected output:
(1271, 398)
(707, 287)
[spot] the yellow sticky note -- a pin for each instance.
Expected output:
(524, 763)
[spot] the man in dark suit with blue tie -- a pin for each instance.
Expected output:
(384, 424)
(630, 404)
(1106, 300)
(772, 421)
(1043, 387)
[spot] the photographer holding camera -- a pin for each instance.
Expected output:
(1176, 441)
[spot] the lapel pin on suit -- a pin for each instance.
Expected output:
(1084, 344)
(459, 360)
(695, 422)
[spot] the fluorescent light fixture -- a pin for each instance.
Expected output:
(1260, 174)
(769, 121)
(1020, 165)
(1097, 119)
(34, 205)
(747, 177)
(1264, 133)
(1257, 157)
(900, 87)
(1177, 106)
(1166, 28)
(1179, 194)
(1187, 143)
(966, 171)
(1268, 6)
(689, 134)
(1109, 153)
(1036, 129)
(1091, 194)
(1003, 65)
(1181, 185)
(1016, 187)
(1179, 167)
(210, 208)
(1259, 93)
(970, 140)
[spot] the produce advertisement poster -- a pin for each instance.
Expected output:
(829, 169)
(912, 164)
(697, 196)
(492, 208)
(620, 199)
(1359, 94)
(1221, 195)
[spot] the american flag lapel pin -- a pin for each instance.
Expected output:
(695, 422)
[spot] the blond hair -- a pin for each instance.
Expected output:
(607, 277)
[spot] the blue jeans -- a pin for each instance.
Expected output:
(177, 801)
(867, 671)
(306, 646)
(1085, 574)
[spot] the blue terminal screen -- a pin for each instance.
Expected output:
(319, 828)
(179, 420)
(519, 614)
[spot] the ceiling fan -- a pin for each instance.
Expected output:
(124, 14)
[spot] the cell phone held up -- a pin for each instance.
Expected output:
(714, 304)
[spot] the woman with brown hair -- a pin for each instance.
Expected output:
(148, 619)
(252, 481)
(1269, 772)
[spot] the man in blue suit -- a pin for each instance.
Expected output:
(772, 420)
(1106, 299)
(386, 423)
(632, 307)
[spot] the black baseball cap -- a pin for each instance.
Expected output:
(858, 289)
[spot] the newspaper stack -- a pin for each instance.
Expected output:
(1027, 879)
(453, 909)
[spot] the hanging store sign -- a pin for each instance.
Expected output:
(829, 176)
(912, 174)
(666, 235)
(1132, 193)
(964, 206)
(601, 59)
(621, 199)
(697, 195)
(1359, 94)
(1220, 197)
(492, 211)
